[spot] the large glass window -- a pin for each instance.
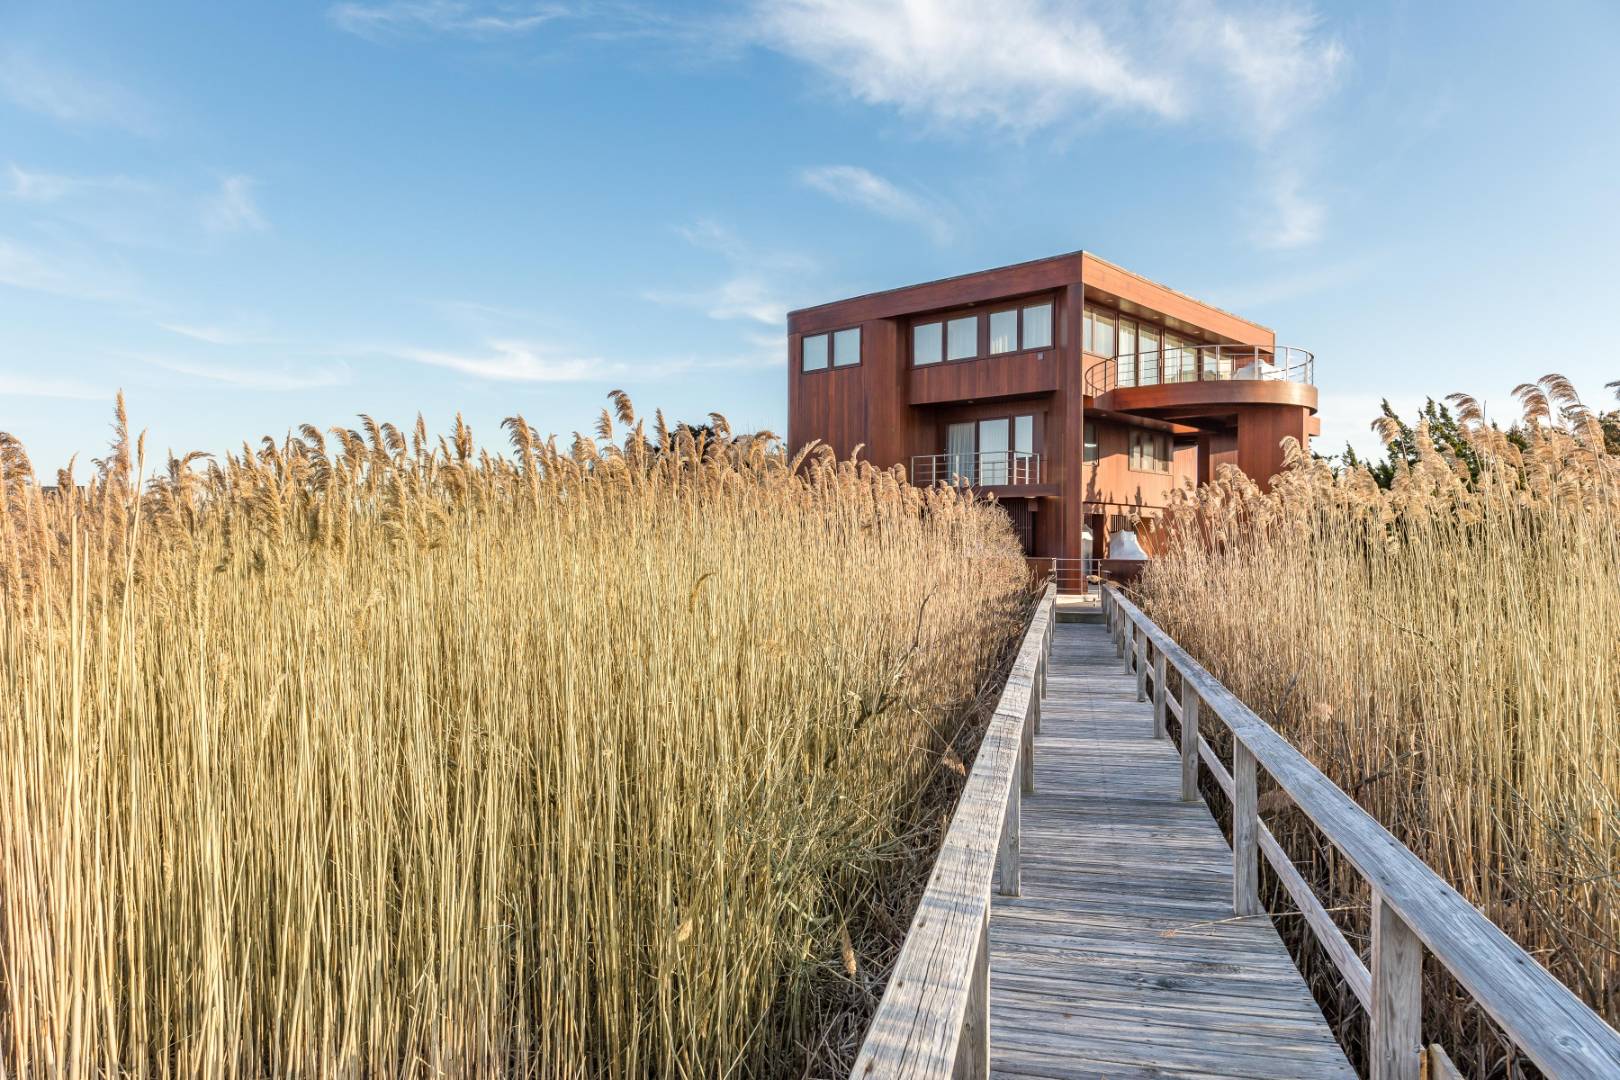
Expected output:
(1147, 352)
(959, 446)
(847, 347)
(1023, 461)
(1003, 331)
(1038, 326)
(927, 343)
(993, 451)
(814, 350)
(1102, 323)
(1130, 367)
(962, 338)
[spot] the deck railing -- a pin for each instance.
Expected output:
(1201, 363)
(1073, 577)
(989, 467)
(934, 1018)
(1413, 908)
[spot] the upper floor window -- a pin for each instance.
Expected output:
(1150, 451)
(1038, 326)
(841, 348)
(1003, 331)
(813, 352)
(1097, 335)
(847, 347)
(1089, 449)
(927, 343)
(962, 338)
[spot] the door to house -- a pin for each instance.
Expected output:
(1022, 514)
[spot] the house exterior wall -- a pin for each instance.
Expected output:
(898, 412)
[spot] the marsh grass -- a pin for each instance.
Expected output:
(362, 753)
(1448, 652)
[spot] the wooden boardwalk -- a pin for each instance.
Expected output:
(1121, 958)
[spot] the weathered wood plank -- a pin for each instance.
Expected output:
(1396, 1052)
(1552, 1026)
(1120, 956)
(918, 1028)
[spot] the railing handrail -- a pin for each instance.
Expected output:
(1287, 363)
(1542, 1016)
(1018, 467)
(934, 1015)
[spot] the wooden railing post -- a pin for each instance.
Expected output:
(1009, 860)
(1161, 728)
(1396, 1052)
(1032, 725)
(1245, 833)
(1141, 666)
(1128, 650)
(973, 1047)
(1190, 704)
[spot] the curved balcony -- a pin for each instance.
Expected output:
(1204, 375)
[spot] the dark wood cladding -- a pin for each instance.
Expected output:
(979, 288)
(1009, 375)
(896, 412)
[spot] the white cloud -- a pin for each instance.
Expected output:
(749, 292)
(1295, 218)
(1019, 64)
(256, 378)
(864, 188)
(741, 297)
(69, 97)
(49, 386)
(400, 18)
(233, 209)
(216, 335)
(60, 274)
(1251, 73)
(522, 361)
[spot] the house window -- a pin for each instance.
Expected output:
(995, 450)
(814, 350)
(962, 338)
(847, 347)
(1150, 451)
(928, 343)
(1147, 353)
(1100, 326)
(1089, 450)
(1003, 331)
(1038, 326)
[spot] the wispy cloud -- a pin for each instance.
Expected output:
(750, 291)
(30, 185)
(233, 209)
(521, 361)
(59, 273)
(70, 97)
(1295, 218)
(49, 386)
(1019, 64)
(405, 18)
(216, 335)
(258, 377)
(863, 188)
(1250, 72)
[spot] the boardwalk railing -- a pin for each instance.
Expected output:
(934, 1019)
(1413, 907)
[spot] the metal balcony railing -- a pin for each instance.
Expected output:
(978, 470)
(1201, 363)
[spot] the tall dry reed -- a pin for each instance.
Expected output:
(369, 754)
(1448, 651)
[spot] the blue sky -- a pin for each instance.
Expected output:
(250, 219)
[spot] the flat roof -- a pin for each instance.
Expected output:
(1078, 254)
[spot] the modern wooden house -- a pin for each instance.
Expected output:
(1077, 392)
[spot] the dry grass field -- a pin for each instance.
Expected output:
(370, 754)
(1448, 651)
